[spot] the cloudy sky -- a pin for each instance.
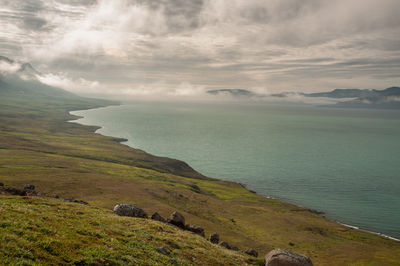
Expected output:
(185, 47)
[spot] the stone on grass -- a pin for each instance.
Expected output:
(158, 217)
(225, 245)
(279, 257)
(196, 229)
(177, 219)
(163, 251)
(81, 202)
(214, 238)
(251, 252)
(234, 248)
(29, 187)
(13, 191)
(129, 210)
(1, 184)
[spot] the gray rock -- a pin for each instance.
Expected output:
(163, 251)
(251, 252)
(195, 188)
(225, 245)
(177, 219)
(279, 257)
(214, 238)
(129, 210)
(196, 229)
(173, 262)
(81, 202)
(234, 248)
(158, 217)
(12, 191)
(29, 187)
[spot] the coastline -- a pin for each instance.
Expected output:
(317, 212)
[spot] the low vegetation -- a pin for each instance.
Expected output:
(68, 233)
(38, 146)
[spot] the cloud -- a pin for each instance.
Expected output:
(278, 45)
(78, 86)
(8, 67)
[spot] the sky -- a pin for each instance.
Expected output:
(133, 48)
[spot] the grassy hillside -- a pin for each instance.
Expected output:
(66, 233)
(38, 146)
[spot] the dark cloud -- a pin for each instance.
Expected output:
(147, 44)
(34, 23)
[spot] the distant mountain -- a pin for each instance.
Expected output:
(388, 98)
(6, 59)
(20, 79)
(341, 93)
(286, 94)
(233, 92)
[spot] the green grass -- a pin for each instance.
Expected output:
(39, 147)
(37, 231)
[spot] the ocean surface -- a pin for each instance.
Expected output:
(344, 162)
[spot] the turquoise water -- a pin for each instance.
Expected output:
(345, 162)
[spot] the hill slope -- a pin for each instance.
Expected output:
(49, 231)
(38, 146)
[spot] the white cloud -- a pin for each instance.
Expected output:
(8, 68)
(272, 45)
(62, 81)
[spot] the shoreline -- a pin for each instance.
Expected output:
(317, 212)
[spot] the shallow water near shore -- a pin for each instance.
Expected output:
(344, 162)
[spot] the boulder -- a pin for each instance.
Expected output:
(81, 202)
(32, 193)
(225, 245)
(196, 229)
(29, 187)
(129, 210)
(214, 238)
(251, 252)
(234, 248)
(163, 251)
(1, 184)
(177, 219)
(12, 191)
(158, 217)
(279, 257)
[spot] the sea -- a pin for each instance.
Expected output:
(343, 162)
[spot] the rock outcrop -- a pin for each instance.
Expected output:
(12, 191)
(225, 245)
(29, 187)
(235, 248)
(177, 219)
(251, 252)
(163, 251)
(196, 229)
(158, 217)
(214, 238)
(80, 202)
(129, 210)
(279, 257)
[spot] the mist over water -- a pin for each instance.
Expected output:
(345, 162)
